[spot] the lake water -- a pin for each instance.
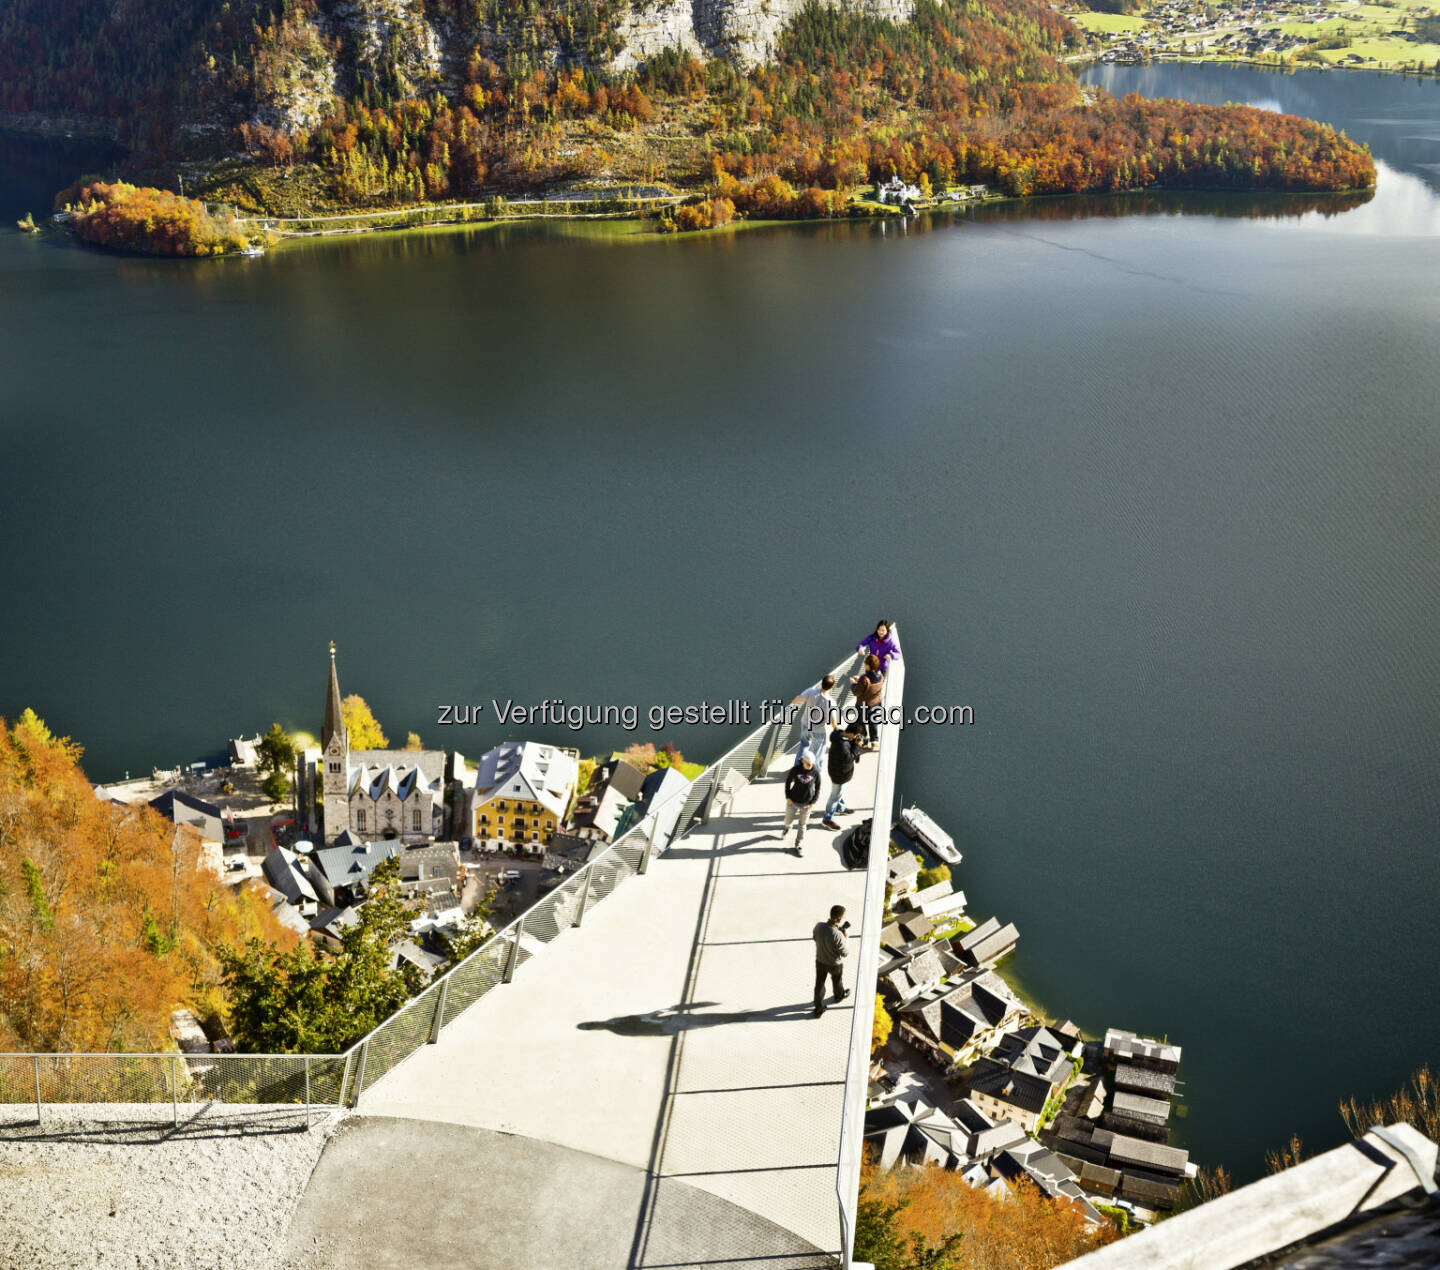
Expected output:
(1154, 494)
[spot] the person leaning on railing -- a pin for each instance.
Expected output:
(881, 644)
(868, 687)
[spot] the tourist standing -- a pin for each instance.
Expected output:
(802, 791)
(818, 714)
(844, 750)
(830, 951)
(869, 687)
(882, 643)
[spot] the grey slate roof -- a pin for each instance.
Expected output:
(1037, 1051)
(284, 871)
(1143, 1080)
(334, 921)
(618, 775)
(1029, 1093)
(346, 866)
(1141, 1107)
(1127, 1151)
(987, 942)
(181, 808)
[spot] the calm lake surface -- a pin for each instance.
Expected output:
(1154, 494)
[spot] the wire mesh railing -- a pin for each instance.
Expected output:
(867, 961)
(297, 1081)
(328, 1081)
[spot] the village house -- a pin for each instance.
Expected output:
(519, 793)
(902, 875)
(1024, 1071)
(954, 1022)
(341, 875)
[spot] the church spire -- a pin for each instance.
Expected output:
(334, 716)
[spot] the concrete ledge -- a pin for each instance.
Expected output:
(1276, 1212)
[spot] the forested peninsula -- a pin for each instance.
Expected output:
(774, 110)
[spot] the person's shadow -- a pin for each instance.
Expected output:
(675, 1019)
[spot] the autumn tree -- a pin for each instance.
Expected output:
(413, 742)
(880, 1032)
(1026, 1230)
(361, 725)
(110, 918)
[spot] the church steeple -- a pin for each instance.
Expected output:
(334, 715)
(335, 758)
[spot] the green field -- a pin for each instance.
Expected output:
(1108, 23)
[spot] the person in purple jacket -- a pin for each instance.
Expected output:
(882, 644)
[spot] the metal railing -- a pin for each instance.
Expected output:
(332, 1081)
(312, 1081)
(867, 962)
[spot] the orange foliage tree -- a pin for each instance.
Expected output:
(109, 917)
(136, 218)
(1027, 1231)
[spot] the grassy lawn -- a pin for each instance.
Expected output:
(1108, 23)
(1387, 50)
(962, 927)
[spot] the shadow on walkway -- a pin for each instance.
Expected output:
(676, 1019)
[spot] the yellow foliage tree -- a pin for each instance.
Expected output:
(361, 725)
(880, 1032)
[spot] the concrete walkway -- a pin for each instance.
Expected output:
(671, 1034)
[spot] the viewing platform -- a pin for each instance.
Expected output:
(652, 1088)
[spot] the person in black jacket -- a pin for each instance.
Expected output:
(802, 790)
(830, 953)
(844, 750)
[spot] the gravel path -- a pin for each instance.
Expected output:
(95, 1187)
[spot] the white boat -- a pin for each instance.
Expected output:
(922, 830)
(252, 251)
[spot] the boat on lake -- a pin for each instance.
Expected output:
(925, 833)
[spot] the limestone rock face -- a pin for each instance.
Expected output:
(383, 37)
(742, 31)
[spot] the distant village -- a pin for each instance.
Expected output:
(1258, 30)
(490, 836)
(971, 1079)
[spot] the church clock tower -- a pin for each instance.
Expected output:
(335, 761)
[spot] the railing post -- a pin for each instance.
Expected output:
(650, 843)
(343, 1100)
(439, 1020)
(584, 898)
(174, 1093)
(307, 1091)
(709, 803)
(360, 1075)
(37, 1088)
(513, 959)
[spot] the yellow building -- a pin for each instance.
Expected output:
(521, 793)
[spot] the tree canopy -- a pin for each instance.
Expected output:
(361, 725)
(303, 1001)
(110, 918)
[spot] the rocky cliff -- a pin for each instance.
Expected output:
(742, 31)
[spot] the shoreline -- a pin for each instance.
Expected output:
(436, 218)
